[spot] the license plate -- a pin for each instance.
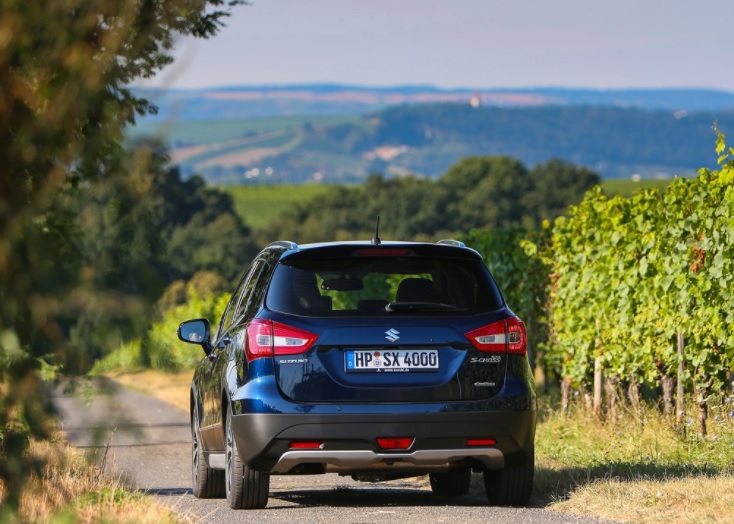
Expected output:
(391, 361)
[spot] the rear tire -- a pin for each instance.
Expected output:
(513, 485)
(208, 483)
(454, 483)
(244, 487)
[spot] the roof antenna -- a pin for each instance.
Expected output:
(376, 240)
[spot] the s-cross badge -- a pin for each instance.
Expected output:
(392, 334)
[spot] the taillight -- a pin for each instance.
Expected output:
(306, 444)
(481, 442)
(499, 337)
(395, 443)
(266, 338)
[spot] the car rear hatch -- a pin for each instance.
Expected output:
(387, 324)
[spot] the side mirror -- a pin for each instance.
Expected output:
(196, 332)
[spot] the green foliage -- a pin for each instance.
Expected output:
(478, 192)
(140, 231)
(160, 348)
(630, 273)
(64, 70)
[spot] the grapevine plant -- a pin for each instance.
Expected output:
(629, 274)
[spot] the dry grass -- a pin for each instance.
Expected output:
(636, 469)
(66, 488)
(695, 499)
(170, 387)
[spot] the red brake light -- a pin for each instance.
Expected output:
(480, 442)
(266, 338)
(500, 337)
(382, 252)
(305, 444)
(395, 443)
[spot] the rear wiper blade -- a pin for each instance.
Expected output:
(418, 306)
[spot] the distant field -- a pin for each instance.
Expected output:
(216, 131)
(617, 186)
(259, 205)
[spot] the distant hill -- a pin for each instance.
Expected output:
(426, 139)
(333, 99)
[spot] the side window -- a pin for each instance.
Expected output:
(252, 285)
(228, 315)
(253, 296)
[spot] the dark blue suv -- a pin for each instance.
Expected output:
(374, 360)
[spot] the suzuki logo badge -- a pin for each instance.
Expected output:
(392, 334)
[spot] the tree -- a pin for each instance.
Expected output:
(489, 191)
(556, 185)
(65, 68)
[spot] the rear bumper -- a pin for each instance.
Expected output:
(349, 440)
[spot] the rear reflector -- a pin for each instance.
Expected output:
(305, 444)
(266, 338)
(395, 443)
(480, 442)
(504, 336)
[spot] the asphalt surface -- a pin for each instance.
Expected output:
(148, 443)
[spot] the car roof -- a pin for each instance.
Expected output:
(442, 248)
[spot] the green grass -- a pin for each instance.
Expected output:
(624, 187)
(215, 131)
(259, 205)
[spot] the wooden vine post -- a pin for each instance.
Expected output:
(598, 383)
(680, 392)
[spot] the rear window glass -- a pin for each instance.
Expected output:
(382, 286)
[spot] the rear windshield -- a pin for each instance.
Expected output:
(383, 286)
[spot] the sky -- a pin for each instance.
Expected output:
(465, 43)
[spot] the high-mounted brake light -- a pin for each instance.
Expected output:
(505, 336)
(382, 252)
(266, 338)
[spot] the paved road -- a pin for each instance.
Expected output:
(148, 442)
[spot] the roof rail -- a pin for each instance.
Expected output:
(451, 242)
(284, 243)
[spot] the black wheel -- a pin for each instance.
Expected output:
(208, 483)
(512, 485)
(245, 488)
(455, 483)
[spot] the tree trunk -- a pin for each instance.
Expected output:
(588, 401)
(668, 385)
(610, 388)
(633, 393)
(565, 395)
(703, 412)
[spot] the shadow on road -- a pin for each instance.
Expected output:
(372, 497)
(168, 492)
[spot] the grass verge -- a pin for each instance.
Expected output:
(637, 468)
(66, 488)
